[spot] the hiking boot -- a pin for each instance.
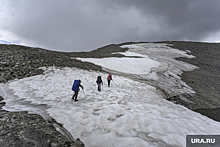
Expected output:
(76, 100)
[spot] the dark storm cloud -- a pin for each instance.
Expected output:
(191, 19)
(77, 25)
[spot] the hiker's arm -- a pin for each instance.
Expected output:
(80, 86)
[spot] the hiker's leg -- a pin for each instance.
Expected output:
(76, 96)
(99, 86)
(108, 83)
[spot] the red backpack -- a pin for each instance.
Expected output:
(109, 77)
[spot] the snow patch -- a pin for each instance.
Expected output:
(128, 113)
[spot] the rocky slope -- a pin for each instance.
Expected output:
(22, 129)
(206, 78)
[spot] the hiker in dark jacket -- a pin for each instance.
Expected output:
(75, 88)
(109, 78)
(99, 82)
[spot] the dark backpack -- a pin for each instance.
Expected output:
(99, 79)
(75, 86)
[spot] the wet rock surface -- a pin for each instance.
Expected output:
(22, 129)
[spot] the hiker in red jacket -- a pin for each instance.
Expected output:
(109, 78)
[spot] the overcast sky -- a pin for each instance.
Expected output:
(85, 25)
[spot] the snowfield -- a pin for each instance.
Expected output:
(129, 113)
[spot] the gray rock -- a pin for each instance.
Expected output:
(1, 98)
(4, 64)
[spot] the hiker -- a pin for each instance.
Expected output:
(75, 88)
(99, 82)
(109, 78)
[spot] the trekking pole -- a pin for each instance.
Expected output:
(84, 93)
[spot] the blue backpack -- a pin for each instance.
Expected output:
(76, 85)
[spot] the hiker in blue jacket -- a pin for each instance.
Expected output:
(75, 88)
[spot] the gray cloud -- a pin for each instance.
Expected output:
(79, 25)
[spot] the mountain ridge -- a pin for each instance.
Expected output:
(21, 61)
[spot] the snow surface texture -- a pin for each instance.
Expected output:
(129, 113)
